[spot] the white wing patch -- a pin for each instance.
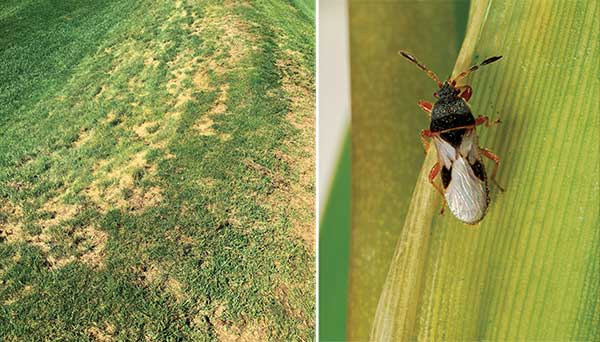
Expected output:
(466, 194)
(446, 153)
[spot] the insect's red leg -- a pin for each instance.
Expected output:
(425, 133)
(426, 106)
(489, 154)
(466, 92)
(432, 174)
(481, 119)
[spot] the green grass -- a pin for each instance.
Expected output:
(156, 171)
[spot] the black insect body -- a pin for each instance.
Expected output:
(452, 129)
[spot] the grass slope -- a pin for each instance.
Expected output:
(156, 170)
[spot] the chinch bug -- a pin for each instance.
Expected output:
(452, 128)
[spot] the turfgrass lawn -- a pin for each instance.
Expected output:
(156, 170)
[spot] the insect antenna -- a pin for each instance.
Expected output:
(473, 68)
(429, 73)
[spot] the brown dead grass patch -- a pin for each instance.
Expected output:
(282, 294)
(109, 118)
(84, 136)
(142, 130)
(201, 79)
(204, 126)
(17, 185)
(93, 246)
(58, 263)
(175, 288)
(221, 102)
(279, 181)
(135, 84)
(60, 212)
(120, 181)
(298, 86)
(205, 123)
(182, 67)
(149, 198)
(113, 186)
(182, 99)
(241, 331)
(150, 61)
(231, 32)
(11, 228)
(102, 90)
(125, 53)
(88, 245)
(102, 334)
(156, 275)
(151, 274)
(177, 65)
(232, 39)
(43, 241)
(250, 332)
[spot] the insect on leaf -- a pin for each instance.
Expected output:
(531, 269)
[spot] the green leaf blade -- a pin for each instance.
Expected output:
(530, 269)
(386, 151)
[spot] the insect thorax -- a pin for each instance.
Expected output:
(452, 106)
(449, 113)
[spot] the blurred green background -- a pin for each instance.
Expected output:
(355, 250)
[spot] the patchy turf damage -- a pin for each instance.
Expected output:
(168, 188)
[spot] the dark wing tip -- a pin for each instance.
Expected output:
(491, 60)
(407, 55)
